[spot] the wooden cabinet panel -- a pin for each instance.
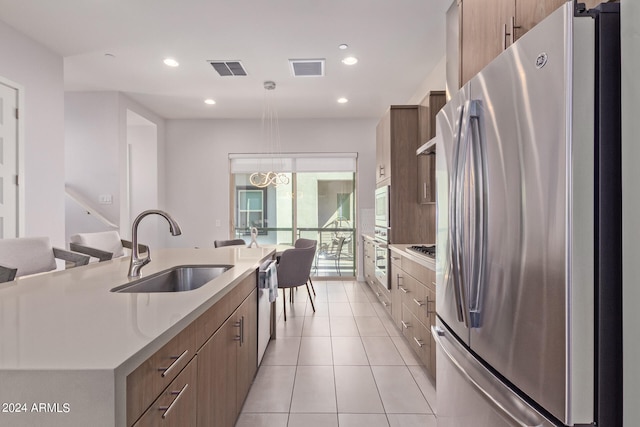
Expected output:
(247, 347)
(176, 406)
(418, 336)
(148, 380)
(227, 365)
(429, 108)
(482, 33)
(218, 379)
(528, 13)
(383, 150)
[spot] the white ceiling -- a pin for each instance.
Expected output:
(397, 42)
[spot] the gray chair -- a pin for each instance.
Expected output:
(232, 242)
(104, 245)
(30, 255)
(305, 243)
(294, 270)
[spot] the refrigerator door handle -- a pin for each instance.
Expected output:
(456, 276)
(478, 233)
(439, 335)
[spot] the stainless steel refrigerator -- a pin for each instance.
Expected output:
(528, 261)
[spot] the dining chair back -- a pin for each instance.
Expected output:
(294, 270)
(29, 255)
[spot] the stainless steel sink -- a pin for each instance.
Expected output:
(178, 279)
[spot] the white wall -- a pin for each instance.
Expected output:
(631, 207)
(197, 166)
(96, 157)
(40, 72)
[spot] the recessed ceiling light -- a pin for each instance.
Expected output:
(342, 100)
(209, 101)
(171, 62)
(109, 55)
(343, 46)
(350, 60)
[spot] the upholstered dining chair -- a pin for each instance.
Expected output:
(29, 255)
(305, 243)
(104, 245)
(232, 242)
(294, 270)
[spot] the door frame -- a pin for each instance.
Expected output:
(21, 229)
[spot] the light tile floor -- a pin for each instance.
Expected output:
(346, 365)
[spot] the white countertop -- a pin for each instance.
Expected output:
(65, 339)
(69, 320)
(423, 260)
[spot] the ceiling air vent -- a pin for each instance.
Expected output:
(307, 67)
(229, 68)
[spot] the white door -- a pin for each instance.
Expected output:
(8, 162)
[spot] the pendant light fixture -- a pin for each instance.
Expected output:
(271, 138)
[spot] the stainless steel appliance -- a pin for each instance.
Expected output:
(381, 250)
(528, 266)
(382, 207)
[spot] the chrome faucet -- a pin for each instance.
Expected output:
(137, 263)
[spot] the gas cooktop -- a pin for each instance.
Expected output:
(429, 251)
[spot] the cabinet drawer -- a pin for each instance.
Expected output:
(156, 373)
(176, 406)
(384, 296)
(418, 336)
(419, 299)
(419, 272)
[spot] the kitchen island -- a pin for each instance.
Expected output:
(67, 343)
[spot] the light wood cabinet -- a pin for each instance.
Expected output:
(482, 33)
(430, 106)
(369, 261)
(383, 151)
(487, 27)
(413, 296)
(216, 355)
(398, 133)
(228, 363)
(147, 382)
(176, 406)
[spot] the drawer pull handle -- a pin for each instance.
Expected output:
(405, 324)
(404, 290)
(429, 301)
(379, 294)
(177, 359)
(420, 303)
(168, 409)
(385, 304)
(395, 257)
(420, 343)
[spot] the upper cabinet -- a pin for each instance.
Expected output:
(487, 27)
(430, 105)
(383, 149)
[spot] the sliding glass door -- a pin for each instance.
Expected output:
(315, 204)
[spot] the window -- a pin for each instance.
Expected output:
(251, 209)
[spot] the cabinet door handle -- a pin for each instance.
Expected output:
(241, 331)
(381, 170)
(404, 290)
(405, 324)
(424, 190)
(429, 301)
(420, 303)
(419, 342)
(176, 361)
(167, 409)
(513, 29)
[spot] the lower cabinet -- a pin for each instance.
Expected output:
(227, 365)
(202, 376)
(413, 297)
(176, 406)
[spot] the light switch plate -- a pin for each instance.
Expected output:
(105, 199)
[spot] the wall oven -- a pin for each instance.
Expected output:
(382, 207)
